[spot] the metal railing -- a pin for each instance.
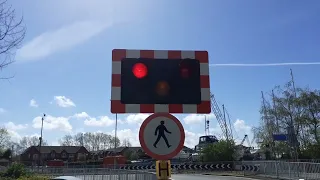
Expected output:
(96, 173)
(269, 169)
(283, 170)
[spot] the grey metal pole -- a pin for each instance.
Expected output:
(115, 139)
(40, 140)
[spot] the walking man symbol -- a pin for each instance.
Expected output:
(161, 128)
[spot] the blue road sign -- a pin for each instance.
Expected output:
(280, 137)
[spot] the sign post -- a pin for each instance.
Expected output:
(163, 169)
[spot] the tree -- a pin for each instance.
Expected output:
(114, 141)
(126, 143)
(12, 32)
(91, 141)
(7, 154)
(131, 155)
(293, 111)
(67, 140)
(219, 151)
(4, 137)
(28, 141)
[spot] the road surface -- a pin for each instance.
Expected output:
(174, 177)
(205, 177)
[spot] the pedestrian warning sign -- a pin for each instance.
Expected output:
(162, 136)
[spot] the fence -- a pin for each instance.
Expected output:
(96, 173)
(269, 169)
(282, 169)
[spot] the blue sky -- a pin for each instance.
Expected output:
(66, 58)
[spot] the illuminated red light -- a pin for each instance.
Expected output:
(140, 70)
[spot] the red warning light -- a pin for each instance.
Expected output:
(184, 72)
(140, 70)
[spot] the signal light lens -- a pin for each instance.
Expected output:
(186, 68)
(162, 88)
(140, 70)
(184, 72)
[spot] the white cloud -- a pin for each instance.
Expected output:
(136, 119)
(14, 136)
(101, 121)
(191, 138)
(13, 129)
(197, 118)
(2, 110)
(128, 134)
(60, 39)
(10, 125)
(240, 125)
(53, 123)
(33, 103)
(81, 115)
(63, 101)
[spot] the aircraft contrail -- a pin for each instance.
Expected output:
(268, 64)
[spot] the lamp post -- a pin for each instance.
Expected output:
(40, 139)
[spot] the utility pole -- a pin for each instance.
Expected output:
(40, 140)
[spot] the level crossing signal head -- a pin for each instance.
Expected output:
(160, 81)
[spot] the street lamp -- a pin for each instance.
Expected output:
(40, 138)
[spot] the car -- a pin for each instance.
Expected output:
(66, 178)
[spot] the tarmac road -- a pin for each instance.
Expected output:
(205, 177)
(174, 177)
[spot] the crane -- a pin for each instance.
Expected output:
(246, 138)
(226, 130)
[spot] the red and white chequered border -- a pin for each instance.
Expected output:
(118, 107)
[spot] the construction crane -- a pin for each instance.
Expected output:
(246, 138)
(226, 130)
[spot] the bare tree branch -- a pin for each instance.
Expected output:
(12, 33)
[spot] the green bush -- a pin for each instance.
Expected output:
(7, 178)
(33, 178)
(18, 172)
(15, 171)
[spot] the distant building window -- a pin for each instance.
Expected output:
(35, 157)
(53, 154)
(64, 155)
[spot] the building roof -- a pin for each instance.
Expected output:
(118, 149)
(57, 149)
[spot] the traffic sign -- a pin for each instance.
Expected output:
(162, 136)
(151, 81)
(163, 169)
